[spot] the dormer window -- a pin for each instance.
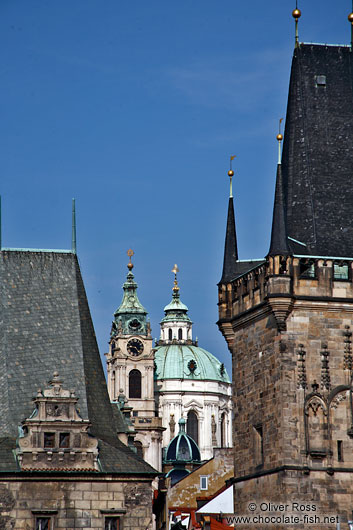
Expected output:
(64, 440)
(49, 440)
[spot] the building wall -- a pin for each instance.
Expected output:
(78, 503)
(291, 343)
(219, 469)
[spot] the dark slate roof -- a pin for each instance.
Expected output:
(46, 326)
(230, 246)
(317, 161)
(279, 242)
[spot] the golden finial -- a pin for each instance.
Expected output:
(231, 175)
(350, 18)
(175, 270)
(130, 253)
(296, 14)
(279, 138)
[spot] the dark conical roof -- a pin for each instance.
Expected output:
(45, 325)
(317, 161)
(279, 243)
(230, 247)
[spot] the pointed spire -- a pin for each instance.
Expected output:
(279, 244)
(230, 246)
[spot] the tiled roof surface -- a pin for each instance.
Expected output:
(46, 326)
(317, 158)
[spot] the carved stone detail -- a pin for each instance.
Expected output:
(325, 371)
(348, 358)
(301, 367)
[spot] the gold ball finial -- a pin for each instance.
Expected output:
(296, 13)
(230, 173)
(350, 18)
(279, 137)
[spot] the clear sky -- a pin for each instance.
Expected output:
(133, 108)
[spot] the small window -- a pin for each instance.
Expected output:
(43, 523)
(339, 451)
(170, 334)
(259, 445)
(340, 271)
(204, 482)
(64, 440)
(180, 334)
(49, 439)
(139, 448)
(321, 80)
(111, 523)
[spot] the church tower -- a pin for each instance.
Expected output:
(287, 319)
(130, 365)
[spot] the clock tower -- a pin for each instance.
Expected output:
(130, 367)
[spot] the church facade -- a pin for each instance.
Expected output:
(174, 380)
(287, 319)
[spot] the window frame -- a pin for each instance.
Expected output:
(205, 479)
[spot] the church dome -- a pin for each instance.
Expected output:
(182, 449)
(187, 361)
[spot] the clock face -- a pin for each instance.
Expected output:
(135, 347)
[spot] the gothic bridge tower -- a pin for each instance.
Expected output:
(288, 318)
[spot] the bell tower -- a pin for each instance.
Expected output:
(130, 367)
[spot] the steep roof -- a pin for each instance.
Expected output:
(45, 325)
(317, 161)
(279, 241)
(230, 247)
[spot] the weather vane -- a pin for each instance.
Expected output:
(231, 174)
(175, 270)
(130, 253)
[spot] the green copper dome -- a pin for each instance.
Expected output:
(187, 361)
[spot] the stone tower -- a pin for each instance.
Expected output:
(287, 319)
(130, 365)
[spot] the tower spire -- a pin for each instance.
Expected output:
(279, 243)
(296, 14)
(230, 246)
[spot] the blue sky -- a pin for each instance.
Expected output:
(134, 108)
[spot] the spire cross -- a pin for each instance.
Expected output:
(130, 253)
(175, 270)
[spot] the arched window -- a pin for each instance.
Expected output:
(139, 448)
(223, 430)
(134, 384)
(170, 334)
(113, 385)
(192, 426)
(180, 334)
